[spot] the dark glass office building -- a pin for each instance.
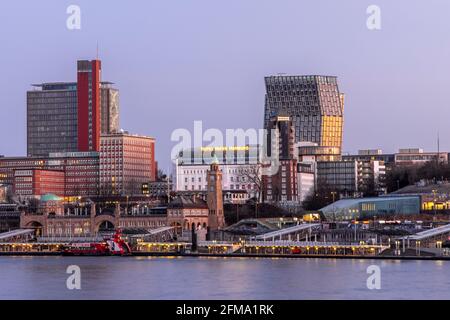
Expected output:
(52, 119)
(313, 103)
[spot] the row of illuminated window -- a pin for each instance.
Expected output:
(84, 180)
(141, 223)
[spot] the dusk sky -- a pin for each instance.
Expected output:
(176, 61)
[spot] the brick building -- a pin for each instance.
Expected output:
(126, 162)
(81, 171)
(282, 185)
(38, 182)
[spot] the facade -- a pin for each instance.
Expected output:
(282, 186)
(126, 162)
(417, 156)
(88, 98)
(306, 178)
(110, 107)
(236, 177)
(52, 119)
(157, 189)
(81, 170)
(214, 198)
(314, 104)
(372, 176)
(314, 153)
(371, 155)
(362, 208)
(351, 178)
(435, 197)
(282, 127)
(226, 155)
(341, 176)
(9, 217)
(188, 213)
(55, 219)
(4, 192)
(34, 183)
(240, 167)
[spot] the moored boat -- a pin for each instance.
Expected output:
(109, 246)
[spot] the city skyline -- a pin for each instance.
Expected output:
(193, 72)
(243, 155)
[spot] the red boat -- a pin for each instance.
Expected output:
(110, 246)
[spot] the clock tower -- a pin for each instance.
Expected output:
(216, 218)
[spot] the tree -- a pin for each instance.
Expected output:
(33, 205)
(161, 176)
(401, 176)
(368, 188)
(321, 197)
(253, 175)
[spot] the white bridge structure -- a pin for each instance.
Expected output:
(296, 232)
(159, 234)
(17, 235)
(432, 237)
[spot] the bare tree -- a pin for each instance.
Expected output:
(161, 175)
(253, 175)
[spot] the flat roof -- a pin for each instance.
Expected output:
(343, 203)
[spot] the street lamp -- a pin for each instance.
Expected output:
(333, 194)
(439, 246)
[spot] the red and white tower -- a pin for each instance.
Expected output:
(88, 95)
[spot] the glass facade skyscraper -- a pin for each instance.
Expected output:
(314, 104)
(52, 119)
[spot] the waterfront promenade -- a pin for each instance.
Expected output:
(255, 249)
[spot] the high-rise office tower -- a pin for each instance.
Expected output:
(282, 185)
(109, 100)
(88, 92)
(282, 127)
(314, 104)
(52, 119)
(70, 116)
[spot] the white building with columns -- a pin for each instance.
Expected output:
(240, 169)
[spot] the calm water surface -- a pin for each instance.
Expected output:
(220, 278)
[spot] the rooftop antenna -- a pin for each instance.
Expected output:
(97, 50)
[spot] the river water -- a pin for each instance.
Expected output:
(220, 278)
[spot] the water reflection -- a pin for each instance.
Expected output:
(221, 278)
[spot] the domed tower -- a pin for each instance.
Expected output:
(216, 218)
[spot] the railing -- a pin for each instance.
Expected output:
(68, 239)
(287, 243)
(429, 233)
(285, 231)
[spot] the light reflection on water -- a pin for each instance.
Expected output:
(220, 278)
